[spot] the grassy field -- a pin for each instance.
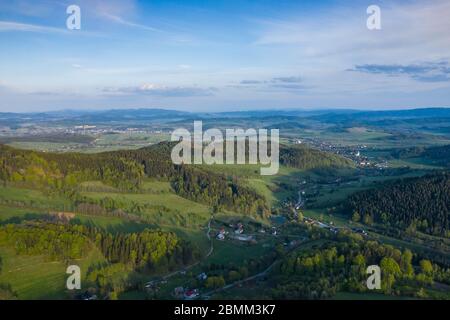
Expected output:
(31, 198)
(166, 210)
(266, 186)
(413, 163)
(33, 277)
(179, 211)
(323, 216)
(10, 214)
(236, 252)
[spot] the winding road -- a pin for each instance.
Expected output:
(255, 276)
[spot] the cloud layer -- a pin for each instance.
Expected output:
(427, 72)
(162, 91)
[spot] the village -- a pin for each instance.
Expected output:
(357, 153)
(200, 284)
(197, 283)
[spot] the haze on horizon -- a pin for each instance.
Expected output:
(220, 55)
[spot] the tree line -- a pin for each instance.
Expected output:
(149, 249)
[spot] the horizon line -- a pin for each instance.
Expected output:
(304, 109)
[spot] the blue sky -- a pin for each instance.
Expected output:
(222, 55)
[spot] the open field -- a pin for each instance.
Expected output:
(33, 277)
(161, 209)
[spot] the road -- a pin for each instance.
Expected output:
(228, 286)
(258, 275)
(300, 203)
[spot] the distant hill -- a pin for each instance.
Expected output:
(321, 115)
(439, 155)
(337, 116)
(92, 117)
(420, 202)
(303, 157)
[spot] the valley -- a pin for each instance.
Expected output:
(141, 227)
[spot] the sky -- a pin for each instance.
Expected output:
(224, 55)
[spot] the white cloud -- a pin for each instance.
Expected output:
(152, 89)
(419, 29)
(25, 27)
(122, 21)
(323, 46)
(13, 26)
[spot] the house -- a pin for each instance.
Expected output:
(360, 231)
(202, 276)
(151, 284)
(333, 229)
(191, 294)
(220, 237)
(239, 229)
(88, 296)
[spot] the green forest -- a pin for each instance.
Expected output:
(421, 203)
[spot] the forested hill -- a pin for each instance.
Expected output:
(422, 203)
(439, 155)
(302, 157)
(126, 170)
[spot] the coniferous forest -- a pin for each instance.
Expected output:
(423, 203)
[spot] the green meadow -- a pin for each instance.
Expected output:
(34, 277)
